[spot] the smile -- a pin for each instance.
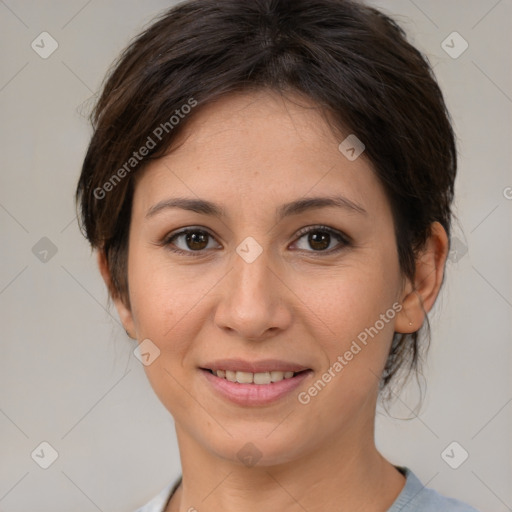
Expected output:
(249, 389)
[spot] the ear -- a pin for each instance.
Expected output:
(419, 297)
(123, 310)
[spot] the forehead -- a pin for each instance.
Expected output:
(261, 147)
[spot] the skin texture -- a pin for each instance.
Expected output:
(251, 153)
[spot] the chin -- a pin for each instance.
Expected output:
(254, 446)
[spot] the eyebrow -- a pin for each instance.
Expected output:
(205, 207)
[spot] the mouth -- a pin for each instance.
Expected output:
(268, 382)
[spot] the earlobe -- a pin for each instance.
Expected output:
(124, 312)
(419, 299)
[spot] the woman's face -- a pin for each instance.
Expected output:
(251, 289)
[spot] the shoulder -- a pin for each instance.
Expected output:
(159, 502)
(418, 498)
(415, 497)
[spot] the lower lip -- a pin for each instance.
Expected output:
(254, 394)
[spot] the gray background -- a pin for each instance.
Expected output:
(67, 372)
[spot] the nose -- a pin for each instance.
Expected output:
(255, 301)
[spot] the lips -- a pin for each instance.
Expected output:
(254, 383)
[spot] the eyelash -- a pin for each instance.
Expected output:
(344, 240)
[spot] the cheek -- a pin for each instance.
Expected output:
(158, 303)
(163, 296)
(164, 306)
(351, 298)
(357, 307)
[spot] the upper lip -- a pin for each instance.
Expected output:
(264, 365)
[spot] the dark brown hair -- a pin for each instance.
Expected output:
(351, 59)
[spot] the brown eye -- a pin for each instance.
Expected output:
(196, 240)
(190, 240)
(320, 238)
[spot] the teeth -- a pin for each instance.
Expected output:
(253, 378)
(244, 377)
(276, 376)
(262, 378)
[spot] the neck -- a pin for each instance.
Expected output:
(343, 473)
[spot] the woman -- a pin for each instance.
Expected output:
(269, 189)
